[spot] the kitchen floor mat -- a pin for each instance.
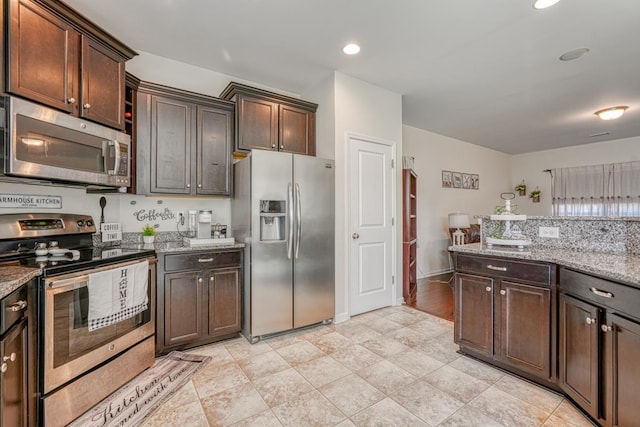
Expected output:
(142, 396)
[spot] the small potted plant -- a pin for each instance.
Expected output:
(521, 188)
(535, 195)
(148, 233)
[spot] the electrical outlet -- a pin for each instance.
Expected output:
(553, 232)
(180, 219)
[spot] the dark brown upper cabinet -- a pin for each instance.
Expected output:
(58, 58)
(270, 121)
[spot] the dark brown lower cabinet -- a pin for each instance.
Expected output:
(503, 313)
(199, 298)
(599, 347)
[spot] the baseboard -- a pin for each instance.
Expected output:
(342, 317)
(437, 273)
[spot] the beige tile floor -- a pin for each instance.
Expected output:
(392, 367)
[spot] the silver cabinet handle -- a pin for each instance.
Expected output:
(493, 267)
(605, 328)
(589, 320)
(86, 106)
(17, 306)
(600, 293)
(488, 289)
(298, 220)
(71, 100)
(11, 357)
(355, 236)
(205, 259)
(503, 292)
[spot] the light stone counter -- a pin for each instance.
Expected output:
(14, 276)
(620, 267)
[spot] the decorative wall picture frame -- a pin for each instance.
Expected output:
(466, 181)
(446, 179)
(475, 181)
(456, 178)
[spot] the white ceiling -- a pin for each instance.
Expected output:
(486, 72)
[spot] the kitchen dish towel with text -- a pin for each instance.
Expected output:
(117, 294)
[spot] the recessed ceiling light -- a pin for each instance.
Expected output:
(611, 113)
(543, 4)
(351, 49)
(573, 54)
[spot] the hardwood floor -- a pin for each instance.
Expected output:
(434, 295)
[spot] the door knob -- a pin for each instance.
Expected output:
(355, 236)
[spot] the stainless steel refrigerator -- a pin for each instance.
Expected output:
(283, 210)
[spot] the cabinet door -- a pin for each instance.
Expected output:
(257, 123)
(224, 302)
(184, 318)
(578, 358)
(297, 130)
(170, 146)
(524, 339)
(102, 85)
(473, 313)
(43, 57)
(13, 384)
(214, 145)
(622, 378)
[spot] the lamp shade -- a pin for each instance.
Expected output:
(458, 220)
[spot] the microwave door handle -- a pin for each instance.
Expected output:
(116, 155)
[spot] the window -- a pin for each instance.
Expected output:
(599, 190)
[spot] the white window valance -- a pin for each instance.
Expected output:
(598, 190)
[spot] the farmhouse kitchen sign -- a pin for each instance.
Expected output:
(30, 201)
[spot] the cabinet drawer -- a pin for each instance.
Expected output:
(527, 271)
(625, 299)
(12, 308)
(200, 260)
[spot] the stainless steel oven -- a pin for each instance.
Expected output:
(76, 369)
(76, 363)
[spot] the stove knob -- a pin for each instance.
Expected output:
(80, 223)
(89, 223)
(53, 244)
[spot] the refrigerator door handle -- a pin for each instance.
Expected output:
(290, 207)
(298, 219)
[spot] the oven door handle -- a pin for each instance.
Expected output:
(68, 284)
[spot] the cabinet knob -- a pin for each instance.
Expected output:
(488, 288)
(503, 292)
(86, 106)
(273, 146)
(3, 368)
(589, 320)
(605, 328)
(12, 357)
(282, 147)
(211, 279)
(188, 185)
(199, 185)
(200, 280)
(71, 100)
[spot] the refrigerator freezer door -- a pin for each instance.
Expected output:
(271, 271)
(313, 267)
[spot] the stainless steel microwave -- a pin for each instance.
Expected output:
(46, 144)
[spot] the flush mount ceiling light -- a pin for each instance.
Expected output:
(611, 113)
(543, 4)
(573, 54)
(351, 49)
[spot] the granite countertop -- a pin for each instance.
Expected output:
(619, 267)
(14, 276)
(181, 246)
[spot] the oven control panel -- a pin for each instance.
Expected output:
(40, 224)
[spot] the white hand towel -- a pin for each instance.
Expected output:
(117, 294)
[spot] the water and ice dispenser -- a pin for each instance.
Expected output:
(272, 220)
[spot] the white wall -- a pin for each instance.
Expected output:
(323, 94)
(530, 166)
(434, 153)
(363, 109)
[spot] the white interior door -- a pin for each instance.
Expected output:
(371, 209)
